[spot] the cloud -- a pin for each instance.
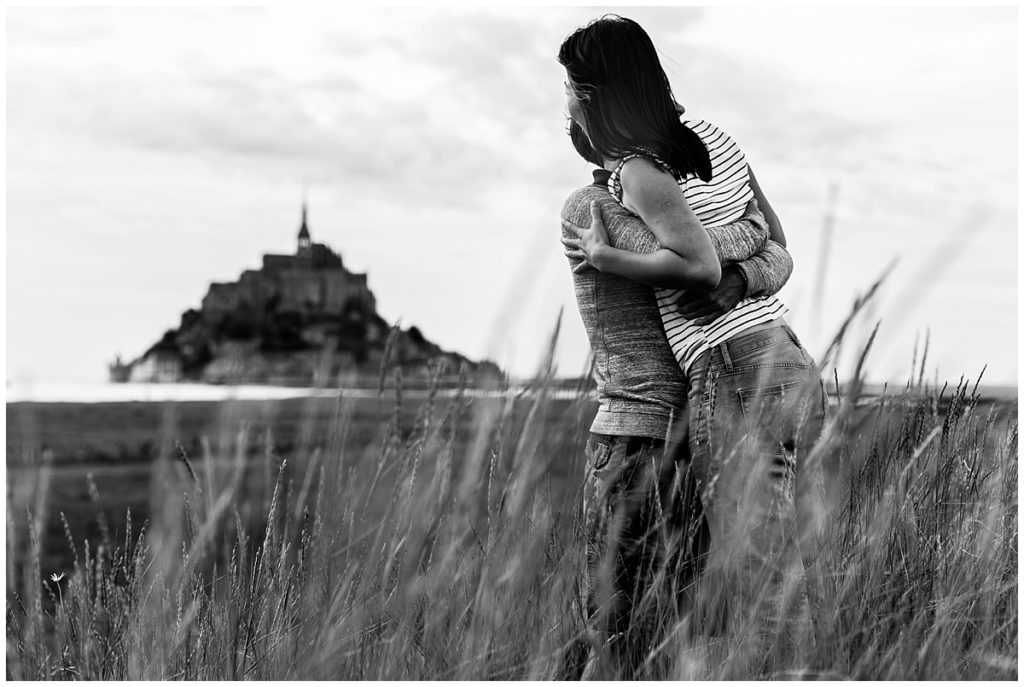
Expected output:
(371, 102)
(332, 126)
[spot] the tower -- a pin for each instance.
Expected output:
(305, 244)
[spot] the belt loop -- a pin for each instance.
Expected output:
(792, 335)
(726, 360)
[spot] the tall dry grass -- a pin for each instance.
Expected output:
(413, 559)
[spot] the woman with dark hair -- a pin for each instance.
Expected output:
(755, 399)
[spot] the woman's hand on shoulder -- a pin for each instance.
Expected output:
(589, 243)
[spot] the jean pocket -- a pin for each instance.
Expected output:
(599, 451)
(773, 415)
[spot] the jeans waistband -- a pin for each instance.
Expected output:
(752, 340)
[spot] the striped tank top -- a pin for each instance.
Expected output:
(719, 201)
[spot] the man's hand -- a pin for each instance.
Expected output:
(704, 307)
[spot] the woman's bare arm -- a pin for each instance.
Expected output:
(658, 266)
(655, 197)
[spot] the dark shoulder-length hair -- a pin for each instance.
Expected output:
(625, 96)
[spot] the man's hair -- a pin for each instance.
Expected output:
(582, 144)
(625, 97)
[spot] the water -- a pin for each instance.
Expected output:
(107, 392)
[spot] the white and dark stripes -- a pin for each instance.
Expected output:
(719, 201)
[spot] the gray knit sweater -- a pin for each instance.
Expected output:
(640, 386)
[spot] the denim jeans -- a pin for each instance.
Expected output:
(645, 538)
(757, 408)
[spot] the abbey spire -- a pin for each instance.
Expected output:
(305, 242)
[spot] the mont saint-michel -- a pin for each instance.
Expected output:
(301, 319)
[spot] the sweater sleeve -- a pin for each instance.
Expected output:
(768, 271)
(740, 240)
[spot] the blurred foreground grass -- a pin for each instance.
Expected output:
(439, 538)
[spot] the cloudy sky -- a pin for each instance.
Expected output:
(152, 151)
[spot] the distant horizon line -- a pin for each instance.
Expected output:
(519, 379)
(100, 391)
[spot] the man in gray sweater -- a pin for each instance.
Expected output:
(644, 527)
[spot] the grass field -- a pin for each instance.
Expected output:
(118, 445)
(439, 538)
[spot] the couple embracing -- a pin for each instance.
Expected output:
(698, 480)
